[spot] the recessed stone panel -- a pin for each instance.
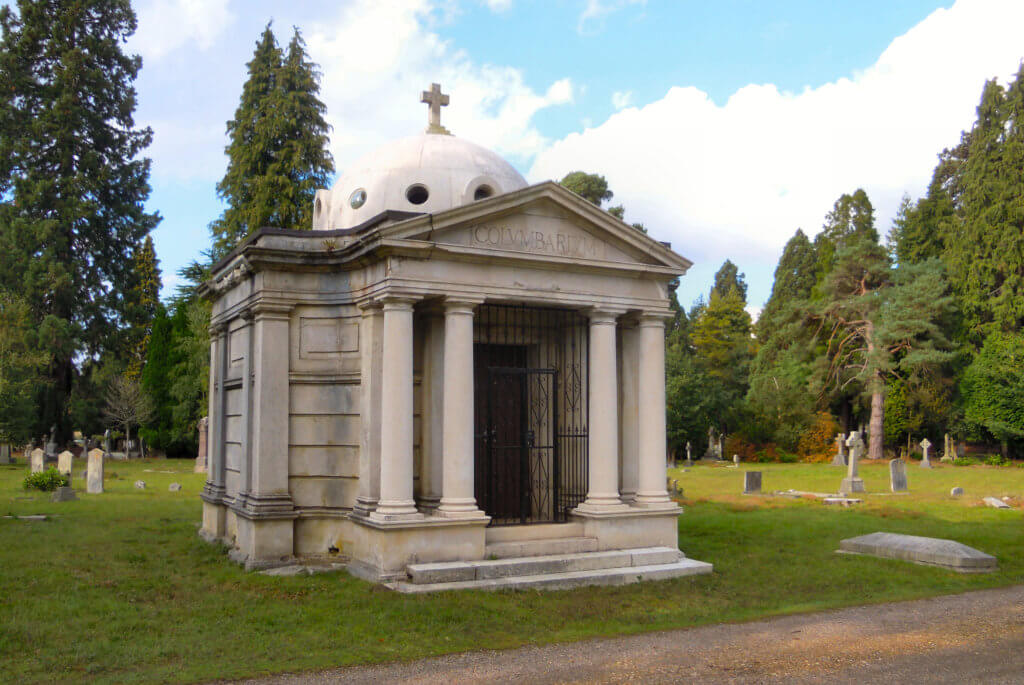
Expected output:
(233, 456)
(323, 492)
(233, 402)
(233, 429)
(232, 481)
(316, 398)
(327, 337)
(324, 461)
(318, 430)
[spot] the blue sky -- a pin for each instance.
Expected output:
(723, 126)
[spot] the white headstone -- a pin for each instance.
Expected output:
(689, 456)
(64, 462)
(174, 487)
(956, 492)
(36, 460)
(140, 485)
(94, 472)
(925, 462)
(853, 481)
(840, 458)
(736, 459)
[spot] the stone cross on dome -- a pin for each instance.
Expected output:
(436, 99)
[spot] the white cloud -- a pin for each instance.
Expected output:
(622, 100)
(596, 10)
(736, 180)
(376, 58)
(498, 5)
(166, 25)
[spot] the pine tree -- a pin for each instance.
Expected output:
(143, 305)
(794, 281)
(74, 184)
(723, 347)
(277, 154)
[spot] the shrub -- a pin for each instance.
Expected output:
(815, 444)
(47, 481)
(966, 461)
(996, 460)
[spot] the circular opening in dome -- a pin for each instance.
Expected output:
(357, 199)
(417, 194)
(483, 192)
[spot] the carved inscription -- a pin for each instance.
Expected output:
(531, 240)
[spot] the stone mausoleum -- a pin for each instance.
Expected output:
(451, 369)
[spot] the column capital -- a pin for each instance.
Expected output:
(218, 329)
(654, 317)
(461, 304)
(603, 315)
(368, 306)
(271, 310)
(392, 303)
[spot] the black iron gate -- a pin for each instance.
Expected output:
(531, 413)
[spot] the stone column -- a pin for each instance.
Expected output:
(371, 351)
(214, 489)
(629, 436)
(457, 499)
(651, 434)
(431, 440)
(396, 459)
(603, 428)
(268, 444)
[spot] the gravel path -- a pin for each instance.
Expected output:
(973, 637)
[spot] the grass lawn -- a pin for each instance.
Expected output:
(119, 588)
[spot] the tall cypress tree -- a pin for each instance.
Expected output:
(277, 154)
(143, 304)
(73, 182)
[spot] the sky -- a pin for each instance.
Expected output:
(722, 126)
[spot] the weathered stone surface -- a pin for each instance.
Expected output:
(996, 503)
(63, 494)
(140, 485)
(736, 459)
(174, 487)
(840, 458)
(853, 482)
(752, 483)
(94, 472)
(201, 458)
(842, 501)
(37, 460)
(925, 461)
(897, 475)
(956, 492)
(64, 462)
(921, 550)
(5, 453)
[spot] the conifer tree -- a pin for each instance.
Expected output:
(143, 305)
(73, 182)
(722, 343)
(728, 277)
(986, 256)
(277, 154)
(794, 280)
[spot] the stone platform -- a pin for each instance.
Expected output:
(552, 572)
(921, 550)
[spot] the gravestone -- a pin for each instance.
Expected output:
(36, 461)
(840, 458)
(174, 487)
(853, 481)
(64, 463)
(51, 444)
(925, 462)
(5, 453)
(956, 492)
(920, 550)
(94, 472)
(140, 485)
(897, 475)
(689, 455)
(736, 459)
(752, 483)
(63, 494)
(106, 441)
(996, 503)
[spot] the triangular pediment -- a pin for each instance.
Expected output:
(544, 220)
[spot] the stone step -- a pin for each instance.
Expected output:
(536, 531)
(538, 548)
(563, 581)
(457, 571)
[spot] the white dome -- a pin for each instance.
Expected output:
(425, 173)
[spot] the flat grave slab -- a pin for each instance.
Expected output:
(949, 554)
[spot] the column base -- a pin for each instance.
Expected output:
(850, 485)
(602, 505)
(429, 504)
(364, 507)
(458, 508)
(395, 511)
(658, 500)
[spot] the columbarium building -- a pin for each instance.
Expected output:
(452, 373)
